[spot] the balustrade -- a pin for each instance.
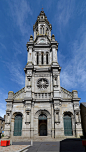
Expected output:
(42, 95)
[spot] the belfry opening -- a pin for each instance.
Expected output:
(42, 125)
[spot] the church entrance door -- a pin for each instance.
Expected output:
(42, 125)
(67, 126)
(18, 125)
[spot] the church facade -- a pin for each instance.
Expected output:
(42, 107)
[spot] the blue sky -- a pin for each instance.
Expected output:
(68, 19)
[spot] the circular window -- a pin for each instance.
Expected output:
(42, 83)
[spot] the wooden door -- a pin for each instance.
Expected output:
(67, 126)
(43, 130)
(18, 125)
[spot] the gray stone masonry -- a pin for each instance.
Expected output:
(43, 97)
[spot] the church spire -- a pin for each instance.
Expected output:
(42, 26)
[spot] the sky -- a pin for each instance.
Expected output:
(68, 19)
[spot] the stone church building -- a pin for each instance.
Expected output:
(42, 107)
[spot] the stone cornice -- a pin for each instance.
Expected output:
(29, 44)
(63, 99)
(56, 67)
(41, 100)
(27, 67)
(27, 99)
(76, 99)
(18, 101)
(9, 100)
(42, 69)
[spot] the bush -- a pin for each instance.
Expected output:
(2, 135)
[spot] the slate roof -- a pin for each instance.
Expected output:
(83, 103)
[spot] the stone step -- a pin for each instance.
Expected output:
(39, 138)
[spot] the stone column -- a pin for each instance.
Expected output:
(30, 55)
(32, 125)
(57, 116)
(33, 82)
(51, 85)
(35, 56)
(44, 58)
(28, 121)
(49, 127)
(52, 119)
(48, 57)
(54, 54)
(39, 58)
(73, 125)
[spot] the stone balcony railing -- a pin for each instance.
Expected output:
(42, 95)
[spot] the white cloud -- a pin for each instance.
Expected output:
(2, 112)
(20, 11)
(74, 72)
(16, 72)
(64, 11)
(3, 96)
(2, 46)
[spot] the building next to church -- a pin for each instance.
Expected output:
(2, 124)
(42, 107)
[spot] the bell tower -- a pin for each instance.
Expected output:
(42, 57)
(42, 72)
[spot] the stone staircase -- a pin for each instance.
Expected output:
(39, 138)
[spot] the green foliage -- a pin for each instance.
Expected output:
(2, 135)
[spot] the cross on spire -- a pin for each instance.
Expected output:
(42, 7)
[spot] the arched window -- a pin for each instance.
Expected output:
(42, 58)
(37, 58)
(46, 57)
(41, 30)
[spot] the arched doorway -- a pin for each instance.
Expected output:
(42, 125)
(18, 125)
(68, 125)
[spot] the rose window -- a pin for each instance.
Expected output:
(42, 83)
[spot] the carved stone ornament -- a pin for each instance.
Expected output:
(42, 83)
(28, 110)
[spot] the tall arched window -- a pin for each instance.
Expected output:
(42, 58)
(43, 30)
(46, 57)
(37, 58)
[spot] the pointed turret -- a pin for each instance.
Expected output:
(42, 26)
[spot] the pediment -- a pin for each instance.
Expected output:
(65, 94)
(42, 40)
(19, 94)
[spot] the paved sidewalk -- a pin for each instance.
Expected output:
(45, 147)
(12, 148)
